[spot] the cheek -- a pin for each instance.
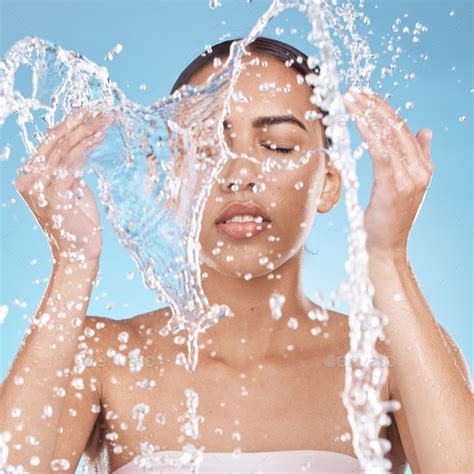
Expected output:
(300, 189)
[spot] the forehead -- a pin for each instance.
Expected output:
(265, 80)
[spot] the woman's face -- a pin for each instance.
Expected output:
(266, 121)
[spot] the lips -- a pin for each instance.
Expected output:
(242, 209)
(242, 230)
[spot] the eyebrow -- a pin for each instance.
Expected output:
(268, 121)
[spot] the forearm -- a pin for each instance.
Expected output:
(432, 389)
(38, 378)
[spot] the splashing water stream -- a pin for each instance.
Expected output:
(159, 222)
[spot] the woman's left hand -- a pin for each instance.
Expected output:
(402, 170)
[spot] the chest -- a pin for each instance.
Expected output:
(275, 406)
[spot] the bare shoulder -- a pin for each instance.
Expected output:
(107, 329)
(103, 335)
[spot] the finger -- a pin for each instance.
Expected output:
(402, 148)
(413, 151)
(390, 124)
(383, 171)
(57, 132)
(84, 131)
(388, 169)
(424, 137)
(65, 174)
(42, 159)
(36, 175)
(58, 162)
(409, 146)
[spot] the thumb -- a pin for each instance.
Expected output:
(423, 137)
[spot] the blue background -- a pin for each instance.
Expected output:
(160, 38)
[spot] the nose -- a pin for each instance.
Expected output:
(239, 174)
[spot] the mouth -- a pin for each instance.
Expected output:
(243, 221)
(242, 230)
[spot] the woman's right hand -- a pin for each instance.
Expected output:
(61, 202)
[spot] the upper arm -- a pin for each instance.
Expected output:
(82, 403)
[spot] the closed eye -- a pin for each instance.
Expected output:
(277, 149)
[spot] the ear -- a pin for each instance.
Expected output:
(332, 188)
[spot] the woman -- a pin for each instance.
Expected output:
(264, 385)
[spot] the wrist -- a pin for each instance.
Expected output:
(84, 264)
(387, 257)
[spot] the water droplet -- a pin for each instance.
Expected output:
(345, 436)
(135, 360)
(160, 418)
(276, 302)
(139, 412)
(293, 323)
(60, 465)
(18, 380)
(311, 115)
(114, 52)
(3, 312)
(409, 105)
(214, 4)
(462, 118)
(123, 337)
(5, 153)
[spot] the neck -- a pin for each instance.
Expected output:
(253, 334)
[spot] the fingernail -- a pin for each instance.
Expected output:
(430, 134)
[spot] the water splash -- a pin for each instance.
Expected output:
(159, 222)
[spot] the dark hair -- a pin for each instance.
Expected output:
(271, 47)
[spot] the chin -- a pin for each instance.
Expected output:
(241, 266)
